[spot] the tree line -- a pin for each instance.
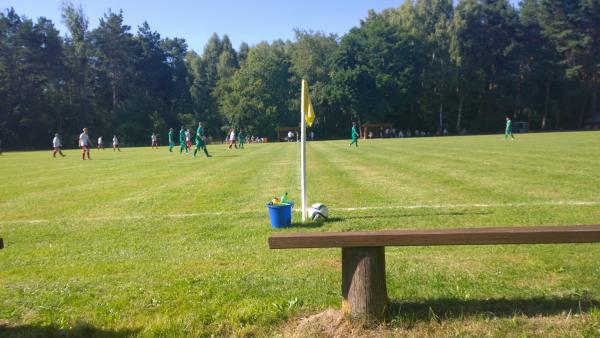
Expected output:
(427, 65)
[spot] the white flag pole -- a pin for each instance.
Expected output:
(303, 152)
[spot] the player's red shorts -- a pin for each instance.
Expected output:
(85, 148)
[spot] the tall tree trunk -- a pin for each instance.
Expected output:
(70, 92)
(84, 89)
(594, 103)
(557, 119)
(518, 98)
(546, 101)
(81, 92)
(114, 96)
(441, 116)
(460, 107)
(480, 119)
(586, 91)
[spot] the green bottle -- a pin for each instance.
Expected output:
(284, 198)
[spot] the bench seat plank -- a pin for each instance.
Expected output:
(464, 236)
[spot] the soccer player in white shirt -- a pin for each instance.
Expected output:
(154, 141)
(116, 143)
(232, 138)
(56, 145)
(85, 143)
(188, 140)
(100, 143)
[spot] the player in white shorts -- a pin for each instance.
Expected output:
(56, 145)
(232, 138)
(116, 143)
(154, 140)
(100, 143)
(85, 143)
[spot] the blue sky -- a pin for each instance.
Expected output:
(251, 21)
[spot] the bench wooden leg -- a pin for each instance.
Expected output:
(364, 290)
(1, 244)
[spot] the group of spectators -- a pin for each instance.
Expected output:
(248, 139)
(393, 133)
(295, 136)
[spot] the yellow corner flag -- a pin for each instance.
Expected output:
(307, 108)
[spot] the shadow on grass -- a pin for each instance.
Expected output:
(80, 330)
(449, 308)
(342, 219)
(313, 225)
(454, 213)
(397, 215)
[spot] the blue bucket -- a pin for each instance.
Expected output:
(280, 215)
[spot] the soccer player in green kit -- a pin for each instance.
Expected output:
(508, 130)
(171, 144)
(240, 138)
(182, 141)
(354, 135)
(200, 140)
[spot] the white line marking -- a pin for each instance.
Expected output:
(31, 221)
(476, 205)
(383, 207)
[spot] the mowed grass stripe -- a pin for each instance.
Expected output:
(338, 210)
(137, 179)
(197, 186)
(502, 175)
(332, 178)
(480, 179)
(528, 167)
(410, 179)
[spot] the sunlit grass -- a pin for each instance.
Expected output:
(152, 243)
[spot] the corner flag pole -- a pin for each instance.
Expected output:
(303, 152)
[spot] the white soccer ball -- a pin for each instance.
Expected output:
(318, 212)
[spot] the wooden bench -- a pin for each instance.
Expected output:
(364, 292)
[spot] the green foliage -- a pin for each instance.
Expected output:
(186, 120)
(376, 72)
(427, 65)
(311, 59)
(157, 122)
(484, 49)
(574, 29)
(257, 96)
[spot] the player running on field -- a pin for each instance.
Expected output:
(116, 143)
(232, 138)
(200, 140)
(154, 140)
(171, 143)
(85, 143)
(56, 144)
(182, 141)
(188, 140)
(100, 143)
(508, 130)
(354, 134)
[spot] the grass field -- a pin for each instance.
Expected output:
(151, 243)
